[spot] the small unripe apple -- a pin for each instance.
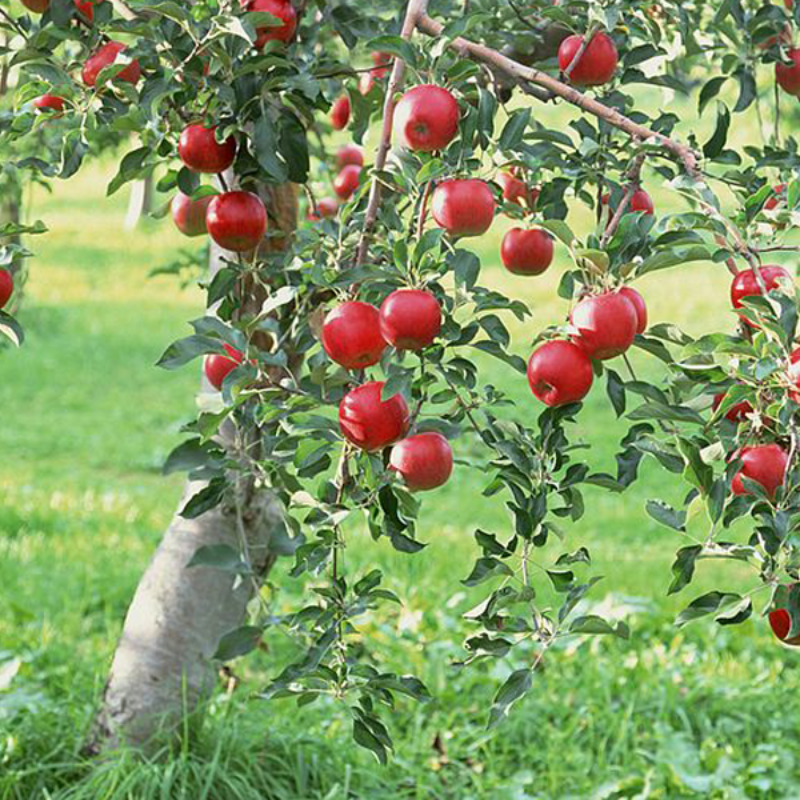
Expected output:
(326, 208)
(217, 367)
(346, 182)
(424, 461)
(410, 319)
(369, 422)
(340, 112)
(637, 301)
(426, 118)
(49, 103)
(788, 75)
(282, 10)
(351, 335)
(765, 464)
(745, 284)
(606, 325)
(237, 221)
(36, 6)
(559, 373)
(189, 215)
(737, 412)
(463, 207)
(597, 63)
(350, 154)
(103, 57)
(199, 149)
(6, 287)
(527, 252)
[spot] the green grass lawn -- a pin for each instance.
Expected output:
(87, 421)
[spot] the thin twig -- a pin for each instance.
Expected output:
(633, 177)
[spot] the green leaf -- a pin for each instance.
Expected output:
(220, 556)
(486, 568)
(706, 604)
(666, 515)
(238, 642)
(592, 624)
(683, 568)
(185, 350)
(514, 129)
(518, 683)
(714, 146)
(11, 328)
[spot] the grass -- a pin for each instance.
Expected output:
(87, 421)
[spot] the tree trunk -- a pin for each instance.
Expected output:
(162, 668)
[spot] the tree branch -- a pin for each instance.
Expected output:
(633, 176)
(524, 74)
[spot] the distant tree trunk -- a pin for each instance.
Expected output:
(140, 202)
(162, 668)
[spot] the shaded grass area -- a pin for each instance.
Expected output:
(87, 421)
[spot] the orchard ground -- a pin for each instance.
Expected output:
(87, 422)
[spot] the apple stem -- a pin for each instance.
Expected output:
(414, 13)
(633, 176)
(528, 75)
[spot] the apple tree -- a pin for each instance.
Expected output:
(342, 356)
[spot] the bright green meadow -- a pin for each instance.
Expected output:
(87, 420)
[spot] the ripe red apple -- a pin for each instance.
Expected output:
(788, 75)
(369, 422)
(737, 412)
(606, 325)
(86, 8)
(463, 207)
(382, 62)
(426, 118)
(49, 103)
(559, 373)
(745, 284)
(637, 301)
(283, 10)
(340, 112)
(424, 461)
(103, 57)
(217, 366)
(597, 63)
(36, 6)
(781, 623)
(326, 208)
(350, 154)
(777, 197)
(189, 215)
(346, 182)
(517, 191)
(765, 464)
(527, 252)
(351, 335)
(639, 201)
(410, 319)
(199, 149)
(6, 287)
(236, 221)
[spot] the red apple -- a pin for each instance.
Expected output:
(597, 63)
(86, 8)
(283, 10)
(103, 57)
(218, 366)
(527, 252)
(781, 623)
(236, 221)
(606, 325)
(639, 201)
(637, 301)
(326, 208)
(777, 197)
(382, 62)
(426, 118)
(517, 191)
(366, 83)
(424, 461)
(6, 287)
(736, 413)
(765, 464)
(350, 154)
(199, 149)
(559, 373)
(189, 215)
(369, 422)
(36, 6)
(788, 75)
(463, 207)
(410, 319)
(340, 112)
(745, 284)
(351, 335)
(49, 103)
(346, 182)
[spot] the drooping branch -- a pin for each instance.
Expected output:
(523, 74)
(415, 11)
